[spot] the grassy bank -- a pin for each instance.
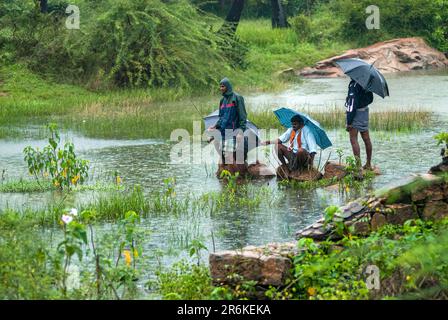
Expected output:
(26, 97)
(30, 100)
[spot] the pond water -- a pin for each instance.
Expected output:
(147, 163)
(417, 89)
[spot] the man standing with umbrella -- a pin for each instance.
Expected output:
(365, 79)
(357, 111)
(231, 123)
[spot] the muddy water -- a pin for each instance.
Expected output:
(147, 163)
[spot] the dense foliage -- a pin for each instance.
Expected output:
(346, 20)
(146, 43)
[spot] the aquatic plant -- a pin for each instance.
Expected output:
(442, 138)
(60, 164)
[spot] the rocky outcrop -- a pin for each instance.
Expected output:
(420, 196)
(332, 169)
(268, 265)
(253, 170)
(311, 174)
(405, 54)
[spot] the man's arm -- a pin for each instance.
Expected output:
(282, 139)
(219, 123)
(312, 145)
(242, 114)
(311, 142)
(350, 112)
(265, 143)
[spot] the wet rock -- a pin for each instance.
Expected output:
(400, 213)
(334, 169)
(361, 227)
(282, 172)
(441, 167)
(378, 220)
(307, 175)
(315, 232)
(254, 170)
(431, 193)
(405, 54)
(260, 170)
(242, 169)
(375, 206)
(233, 266)
(300, 175)
(435, 210)
(398, 191)
(350, 209)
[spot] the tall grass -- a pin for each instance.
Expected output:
(334, 118)
(274, 50)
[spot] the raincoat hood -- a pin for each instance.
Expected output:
(228, 85)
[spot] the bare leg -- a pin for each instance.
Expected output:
(366, 138)
(355, 145)
(281, 153)
(218, 147)
(303, 160)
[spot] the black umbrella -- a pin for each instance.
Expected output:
(365, 74)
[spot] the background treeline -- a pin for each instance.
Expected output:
(180, 43)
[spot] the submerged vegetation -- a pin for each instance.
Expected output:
(118, 200)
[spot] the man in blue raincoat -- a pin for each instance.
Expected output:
(231, 123)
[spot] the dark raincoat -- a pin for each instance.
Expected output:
(357, 98)
(232, 111)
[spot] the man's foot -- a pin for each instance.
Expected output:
(368, 167)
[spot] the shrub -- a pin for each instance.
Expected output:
(302, 27)
(62, 165)
(141, 43)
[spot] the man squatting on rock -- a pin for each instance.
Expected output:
(301, 147)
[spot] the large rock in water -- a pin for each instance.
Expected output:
(306, 175)
(254, 170)
(334, 169)
(404, 54)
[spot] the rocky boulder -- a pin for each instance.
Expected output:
(254, 170)
(404, 54)
(419, 196)
(267, 265)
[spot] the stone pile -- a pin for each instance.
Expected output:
(422, 196)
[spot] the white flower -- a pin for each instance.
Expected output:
(67, 218)
(73, 212)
